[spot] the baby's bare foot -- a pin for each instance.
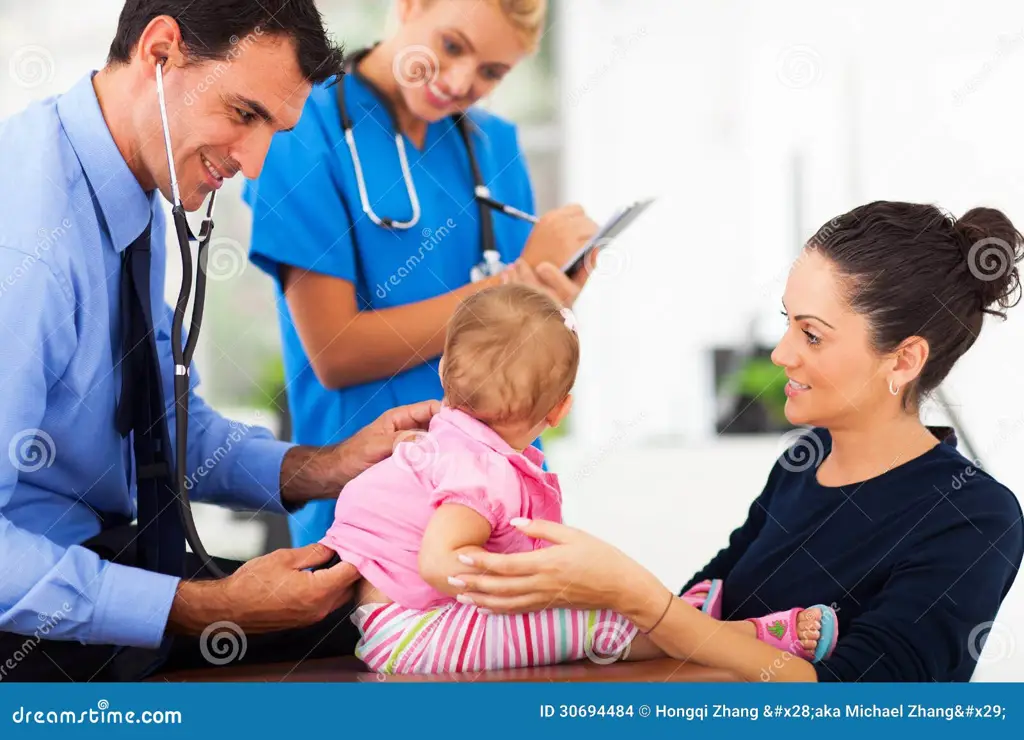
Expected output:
(808, 628)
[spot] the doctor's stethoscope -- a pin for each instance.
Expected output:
(182, 355)
(491, 263)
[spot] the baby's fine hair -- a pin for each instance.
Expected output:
(509, 357)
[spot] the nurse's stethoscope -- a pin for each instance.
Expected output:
(183, 355)
(491, 263)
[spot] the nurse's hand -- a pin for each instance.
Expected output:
(548, 278)
(577, 571)
(558, 235)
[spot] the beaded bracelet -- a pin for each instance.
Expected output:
(671, 598)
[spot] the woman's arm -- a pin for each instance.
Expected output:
(347, 346)
(687, 634)
(580, 571)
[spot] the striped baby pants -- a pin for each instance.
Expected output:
(457, 637)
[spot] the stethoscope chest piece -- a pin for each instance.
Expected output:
(491, 266)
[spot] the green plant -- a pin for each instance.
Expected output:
(268, 390)
(552, 433)
(760, 378)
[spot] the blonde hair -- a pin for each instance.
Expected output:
(527, 17)
(509, 356)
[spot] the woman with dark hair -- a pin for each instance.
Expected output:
(869, 510)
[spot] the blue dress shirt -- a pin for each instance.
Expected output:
(69, 206)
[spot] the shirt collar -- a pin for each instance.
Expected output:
(483, 433)
(125, 206)
(357, 91)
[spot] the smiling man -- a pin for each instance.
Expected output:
(85, 357)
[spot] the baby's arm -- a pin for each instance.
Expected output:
(453, 529)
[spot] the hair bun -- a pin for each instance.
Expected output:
(992, 247)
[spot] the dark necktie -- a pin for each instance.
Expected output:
(141, 410)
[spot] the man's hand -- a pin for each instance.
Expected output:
(309, 473)
(269, 593)
(377, 440)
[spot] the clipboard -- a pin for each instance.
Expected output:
(619, 222)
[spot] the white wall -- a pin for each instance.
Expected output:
(707, 105)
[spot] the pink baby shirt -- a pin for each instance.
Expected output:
(382, 514)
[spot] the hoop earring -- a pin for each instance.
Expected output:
(893, 389)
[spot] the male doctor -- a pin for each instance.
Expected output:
(84, 593)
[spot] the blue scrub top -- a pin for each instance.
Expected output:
(307, 213)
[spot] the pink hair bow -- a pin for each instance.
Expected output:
(570, 321)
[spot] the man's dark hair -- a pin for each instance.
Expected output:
(210, 28)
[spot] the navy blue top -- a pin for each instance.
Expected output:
(917, 561)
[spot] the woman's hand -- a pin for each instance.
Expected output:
(558, 235)
(578, 570)
(548, 278)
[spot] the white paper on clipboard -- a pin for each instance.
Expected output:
(614, 226)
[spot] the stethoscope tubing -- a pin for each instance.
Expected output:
(182, 355)
(480, 191)
(364, 199)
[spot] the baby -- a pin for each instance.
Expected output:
(509, 364)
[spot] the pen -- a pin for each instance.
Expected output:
(507, 209)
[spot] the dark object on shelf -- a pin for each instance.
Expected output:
(749, 416)
(751, 393)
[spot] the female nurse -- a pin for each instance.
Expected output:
(374, 237)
